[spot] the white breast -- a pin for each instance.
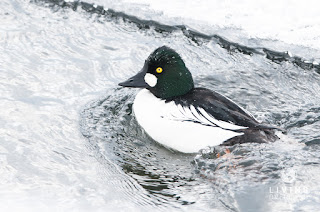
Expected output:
(173, 125)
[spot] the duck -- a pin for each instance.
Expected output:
(185, 118)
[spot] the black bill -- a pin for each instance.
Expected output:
(137, 81)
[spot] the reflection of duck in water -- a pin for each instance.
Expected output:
(184, 118)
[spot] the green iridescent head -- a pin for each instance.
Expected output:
(164, 74)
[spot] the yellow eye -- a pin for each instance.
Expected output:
(159, 70)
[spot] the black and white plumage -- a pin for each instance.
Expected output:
(196, 120)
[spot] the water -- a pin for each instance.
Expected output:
(69, 140)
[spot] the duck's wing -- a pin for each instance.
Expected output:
(207, 107)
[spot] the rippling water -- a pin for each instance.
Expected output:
(69, 140)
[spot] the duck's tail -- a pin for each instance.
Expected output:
(254, 135)
(269, 127)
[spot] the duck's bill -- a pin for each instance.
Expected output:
(136, 81)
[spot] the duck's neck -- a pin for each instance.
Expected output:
(172, 90)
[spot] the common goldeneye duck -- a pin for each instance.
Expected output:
(184, 118)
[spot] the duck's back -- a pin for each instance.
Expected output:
(218, 106)
(195, 120)
(224, 109)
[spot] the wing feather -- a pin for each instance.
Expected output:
(200, 116)
(210, 108)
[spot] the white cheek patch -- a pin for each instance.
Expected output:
(150, 79)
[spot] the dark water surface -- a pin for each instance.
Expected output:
(71, 141)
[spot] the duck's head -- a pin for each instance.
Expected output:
(164, 74)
